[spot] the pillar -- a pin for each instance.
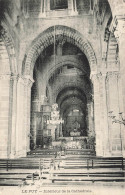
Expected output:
(97, 114)
(20, 119)
(121, 108)
(120, 35)
(35, 107)
(28, 81)
(104, 115)
(60, 130)
(90, 119)
(5, 115)
(119, 32)
(23, 116)
(114, 105)
(43, 9)
(72, 7)
(14, 80)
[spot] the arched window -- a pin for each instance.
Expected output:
(58, 4)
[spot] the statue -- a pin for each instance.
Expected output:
(76, 126)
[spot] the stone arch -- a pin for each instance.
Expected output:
(85, 88)
(47, 37)
(73, 62)
(68, 98)
(8, 85)
(66, 104)
(67, 92)
(10, 48)
(4, 59)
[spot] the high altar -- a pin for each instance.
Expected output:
(49, 132)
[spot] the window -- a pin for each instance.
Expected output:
(58, 4)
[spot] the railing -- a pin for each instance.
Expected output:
(90, 163)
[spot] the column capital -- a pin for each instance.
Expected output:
(96, 76)
(5, 76)
(15, 77)
(112, 74)
(9, 77)
(28, 80)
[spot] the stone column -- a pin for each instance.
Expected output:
(113, 105)
(23, 116)
(43, 9)
(60, 130)
(20, 118)
(72, 7)
(35, 107)
(90, 120)
(47, 5)
(118, 27)
(57, 132)
(97, 114)
(5, 115)
(28, 81)
(121, 108)
(14, 80)
(104, 115)
(119, 32)
(33, 127)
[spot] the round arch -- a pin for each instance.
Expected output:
(10, 47)
(68, 108)
(46, 38)
(70, 99)
(70, 92)
(85, 88)
(73, 62)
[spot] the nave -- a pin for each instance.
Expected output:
(62, 100)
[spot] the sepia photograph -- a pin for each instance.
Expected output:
(62, 97)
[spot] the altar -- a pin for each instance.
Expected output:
(71, 142)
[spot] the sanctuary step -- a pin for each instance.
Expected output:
(67, 152)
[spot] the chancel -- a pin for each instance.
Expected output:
(62, 92)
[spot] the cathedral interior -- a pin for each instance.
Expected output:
(62, 91)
